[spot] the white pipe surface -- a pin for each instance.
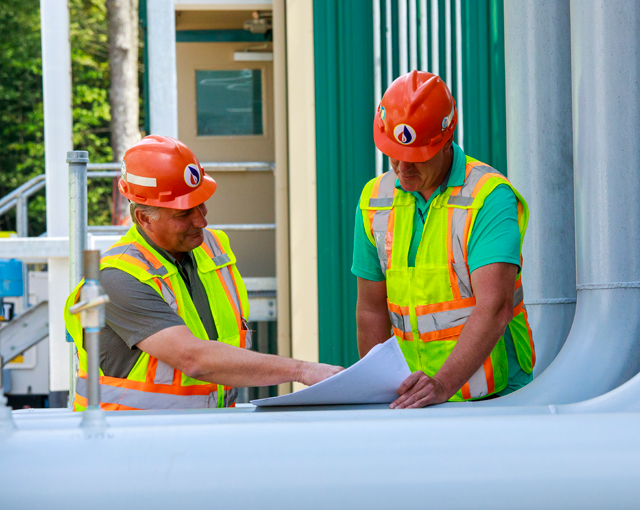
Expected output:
(447, 37)
(56, 90)
(602, 350)
(540, 163)
(355, 458)
(163, 78)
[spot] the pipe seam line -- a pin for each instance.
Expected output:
(613, 285)
(551, 301)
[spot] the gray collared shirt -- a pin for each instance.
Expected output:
(136, 311)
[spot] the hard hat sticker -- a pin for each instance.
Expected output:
(383, 112)
(192, 175)
(446, 122)
(404, 134)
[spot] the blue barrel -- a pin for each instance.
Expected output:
(11, 284)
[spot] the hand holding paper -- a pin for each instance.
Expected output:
(374, 379)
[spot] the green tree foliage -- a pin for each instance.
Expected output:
(21, 108)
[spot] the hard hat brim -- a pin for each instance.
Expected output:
(405, 152)
(193, 199)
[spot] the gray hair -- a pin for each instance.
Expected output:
(152, 212)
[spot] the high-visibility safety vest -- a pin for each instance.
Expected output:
(152, 384)
(430, 303)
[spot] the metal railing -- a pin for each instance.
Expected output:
(19, 197)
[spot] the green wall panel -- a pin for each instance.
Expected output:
(485, 120)
(343, 40)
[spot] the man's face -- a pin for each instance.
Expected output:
(421, 176)
(178, 231)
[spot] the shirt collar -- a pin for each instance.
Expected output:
(161, 251)
(455, 176)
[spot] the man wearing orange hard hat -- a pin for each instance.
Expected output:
(173, 287)
(437, 253)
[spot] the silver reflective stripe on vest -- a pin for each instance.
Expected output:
(381, 246)
(168, 295)
(380, 221)
(401, 322)
(478, 384)
(457, 200)
(381, 202)
(228, 280)
(518, 296)
(230, 397)
(477, 172)
(212, 244)
(148, 400)
(164, 373)
(133, 251)
(221, 259)
(438, 321)
(458, 222)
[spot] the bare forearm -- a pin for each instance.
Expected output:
(478, 337)
(373, 328)
(224, 364)
(220, 363)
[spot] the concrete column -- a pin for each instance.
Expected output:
(56, 72)
(540, 162)
(163, 80)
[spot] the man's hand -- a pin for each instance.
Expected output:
(313, 373)
(419, 390)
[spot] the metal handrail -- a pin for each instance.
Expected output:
(228, 227)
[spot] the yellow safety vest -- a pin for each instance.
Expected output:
(152, 384)
(430, 303)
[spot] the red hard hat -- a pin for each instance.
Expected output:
(416, 117)
(164, 172)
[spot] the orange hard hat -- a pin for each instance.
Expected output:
(416, 117)
(164, 172)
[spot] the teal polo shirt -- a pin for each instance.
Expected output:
(495, 238)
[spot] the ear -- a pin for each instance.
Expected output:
(447, 145)
(143, 220)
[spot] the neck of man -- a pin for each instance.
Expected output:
(442, 174)
(150, 238)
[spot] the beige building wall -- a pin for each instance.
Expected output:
(241, 197)
(302, 180)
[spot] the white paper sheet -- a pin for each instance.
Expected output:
(374, 379)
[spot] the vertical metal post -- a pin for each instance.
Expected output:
(78, 218)
(6, 420)
(22, 229)
(389, 41)
(377, 71)
(424, 38)
(56, 90)
(447, 42)
(459, 90)
(91, 289)
(403, 45)
(413, 35)
(163, 74)
(77, 237)
(539, 155)
(435, 35)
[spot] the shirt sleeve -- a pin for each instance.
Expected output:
(495, 236)
(366, 263)
(135, 311)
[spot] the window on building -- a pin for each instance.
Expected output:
(229, 102)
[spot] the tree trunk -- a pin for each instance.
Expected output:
(122, 17)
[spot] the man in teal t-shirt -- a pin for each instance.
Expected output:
(493, 249)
